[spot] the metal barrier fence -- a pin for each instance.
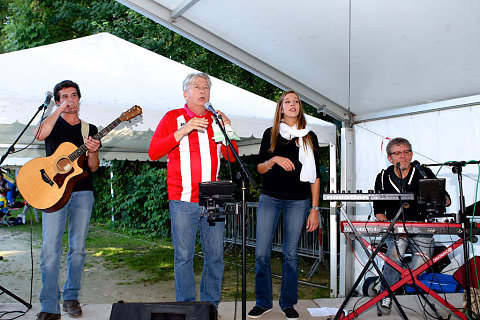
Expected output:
(311, 244)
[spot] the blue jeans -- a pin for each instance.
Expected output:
(186, 218)
(78, 210)
(268, 214)
(421, 247)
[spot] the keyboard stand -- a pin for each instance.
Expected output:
(366, 247)
(410, 278)
(407, 277)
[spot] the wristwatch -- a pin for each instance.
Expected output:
(315, 208)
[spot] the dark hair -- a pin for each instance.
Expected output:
(65, 84)
(396, 142)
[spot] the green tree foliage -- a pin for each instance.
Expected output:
(139, 203)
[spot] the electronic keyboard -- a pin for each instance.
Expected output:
(374, 228)
(370, 196)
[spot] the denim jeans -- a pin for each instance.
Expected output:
(421, 247)
(268, 214)
(186, 219)
(78, 210)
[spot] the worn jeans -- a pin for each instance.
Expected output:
(78, 211)
(421, 247)
(186, 218)
(268, 215)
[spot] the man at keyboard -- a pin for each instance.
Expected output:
(402, 177)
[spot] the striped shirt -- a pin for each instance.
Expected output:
(193, 159)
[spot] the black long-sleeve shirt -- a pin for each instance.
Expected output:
(283, 184)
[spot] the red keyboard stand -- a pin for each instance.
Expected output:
(409, 278)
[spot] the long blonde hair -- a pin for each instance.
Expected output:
(301, 123)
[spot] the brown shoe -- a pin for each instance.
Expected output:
(48, 316)
(73, 308)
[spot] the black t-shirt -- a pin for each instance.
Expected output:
(65, 132)
(283, 184)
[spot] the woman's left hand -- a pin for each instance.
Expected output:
(312, 221)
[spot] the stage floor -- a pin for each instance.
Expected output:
(227, 309)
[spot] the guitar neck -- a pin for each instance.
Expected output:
(83, 148)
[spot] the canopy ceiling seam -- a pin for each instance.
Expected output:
(181, 9)
(350, 121)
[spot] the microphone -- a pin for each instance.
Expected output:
(416, 164)
(49, 96)
(209, 107)
(402, 186)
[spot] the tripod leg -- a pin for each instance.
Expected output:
(431, 305)
(11, 294)
(371, 260)
(379, 311)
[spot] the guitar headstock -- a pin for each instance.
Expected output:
(131, 113)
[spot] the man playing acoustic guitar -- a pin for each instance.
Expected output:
(64, 125)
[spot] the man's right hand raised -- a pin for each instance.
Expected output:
(200, 124)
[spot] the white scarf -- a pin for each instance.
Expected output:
(305, 154)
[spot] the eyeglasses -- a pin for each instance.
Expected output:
(399, 153)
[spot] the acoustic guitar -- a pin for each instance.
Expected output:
(46, 183)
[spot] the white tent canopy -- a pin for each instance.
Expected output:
(363, 58)
(364, 62)
(114, 75)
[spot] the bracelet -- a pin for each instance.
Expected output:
(266, 165)
(315, 208)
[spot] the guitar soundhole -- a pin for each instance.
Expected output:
(63, 165)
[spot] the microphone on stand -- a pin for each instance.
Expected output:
(402, 187)
(209, 107)
(417, 165)
(398, 167)
(48, 97)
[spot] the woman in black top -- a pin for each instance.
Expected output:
(288, 162)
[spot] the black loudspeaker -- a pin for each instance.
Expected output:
(163, 311)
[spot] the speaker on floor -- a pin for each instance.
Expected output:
(163, 311)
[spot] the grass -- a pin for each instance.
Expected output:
(153, 258)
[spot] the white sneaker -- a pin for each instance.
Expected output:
(386, 305)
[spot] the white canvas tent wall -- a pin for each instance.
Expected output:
(436, 137)
(114, 75)
(357, 60)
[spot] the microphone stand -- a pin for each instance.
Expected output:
(402, 190)
(461, 218)
(10, 150)
(245, 175)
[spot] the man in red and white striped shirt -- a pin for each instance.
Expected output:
(186, 136)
